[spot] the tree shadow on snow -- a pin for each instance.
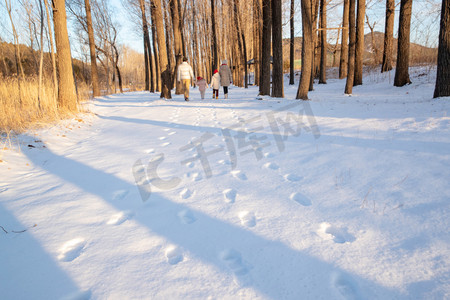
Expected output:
(270, 267)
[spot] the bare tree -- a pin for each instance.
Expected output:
(307, 50)
(163, 58)
(343, 61)
(177, 40)
(264, 87)
(351, 48)
(323, 42)
(52, 50)
(67, 97)
(90, 29)
(147, 50)
(442, 88)
(215, 61)
(277, 49)
(386, 65)
(291, 44)
(401, 71)
(359, 52)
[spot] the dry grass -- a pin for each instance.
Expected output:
(21, 108)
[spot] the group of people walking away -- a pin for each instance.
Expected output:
(221, 77)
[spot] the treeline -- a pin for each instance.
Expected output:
(206, 32)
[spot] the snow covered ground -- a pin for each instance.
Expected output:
(335, 198)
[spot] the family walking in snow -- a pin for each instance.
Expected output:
(221, 77)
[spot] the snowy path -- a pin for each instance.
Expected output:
(341, 198)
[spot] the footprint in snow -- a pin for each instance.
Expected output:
(186, 216)
(150, 151)
(271, 165)
(162, 138)
(174, 255)
(229, 195)
(120, 217)
(71, 249)
(185, 193)
(190, 164)
(172, 133)
(346, 287)
(119, 195)
(291, 177)
(233, 260)
(338, 235)
(239, 175)
(165, 144)
(197, 176)
(268, 155)
(166, 129)
(300, 198)
(247, 218)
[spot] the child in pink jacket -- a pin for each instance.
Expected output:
(202, 85)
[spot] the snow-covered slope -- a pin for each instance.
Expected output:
(335, 198)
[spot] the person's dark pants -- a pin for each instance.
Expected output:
(225, 90)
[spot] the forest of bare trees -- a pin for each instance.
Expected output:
(251, 35)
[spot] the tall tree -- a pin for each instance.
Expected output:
(442, 88)
(67, 97)
(147, 50)
(307, 50)
(156, 69)
(264, 87)
(402, 69)
(215, 61)
(163, 59)
(291, 45)
(323, 42)
(175, 14)
(351, 48)
(359, 52)
(277, 49)
(388, 36)
(343, 61)
(257, 33)
(52, 50)
(90, 28)
(241, 42)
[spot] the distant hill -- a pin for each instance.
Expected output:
(373, 50)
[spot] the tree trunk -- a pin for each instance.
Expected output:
(147, 50)
(351, 48)
(388, 36)
(264, 88)
(119, 76)
(155, 48)
(41, 51)
(257, 32)
(323, 42)
(215, 61)
(343, 61)
(291, 45)
(315, 57)
(277, 49)
(177, 41)
(55, 77)
(442, 88)
(359, 52)
(307, 51)
(163, 58)
(94, 71)
(241, 43)
(402, 69)
(67, 97)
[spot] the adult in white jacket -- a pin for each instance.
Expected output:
(185, 74)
